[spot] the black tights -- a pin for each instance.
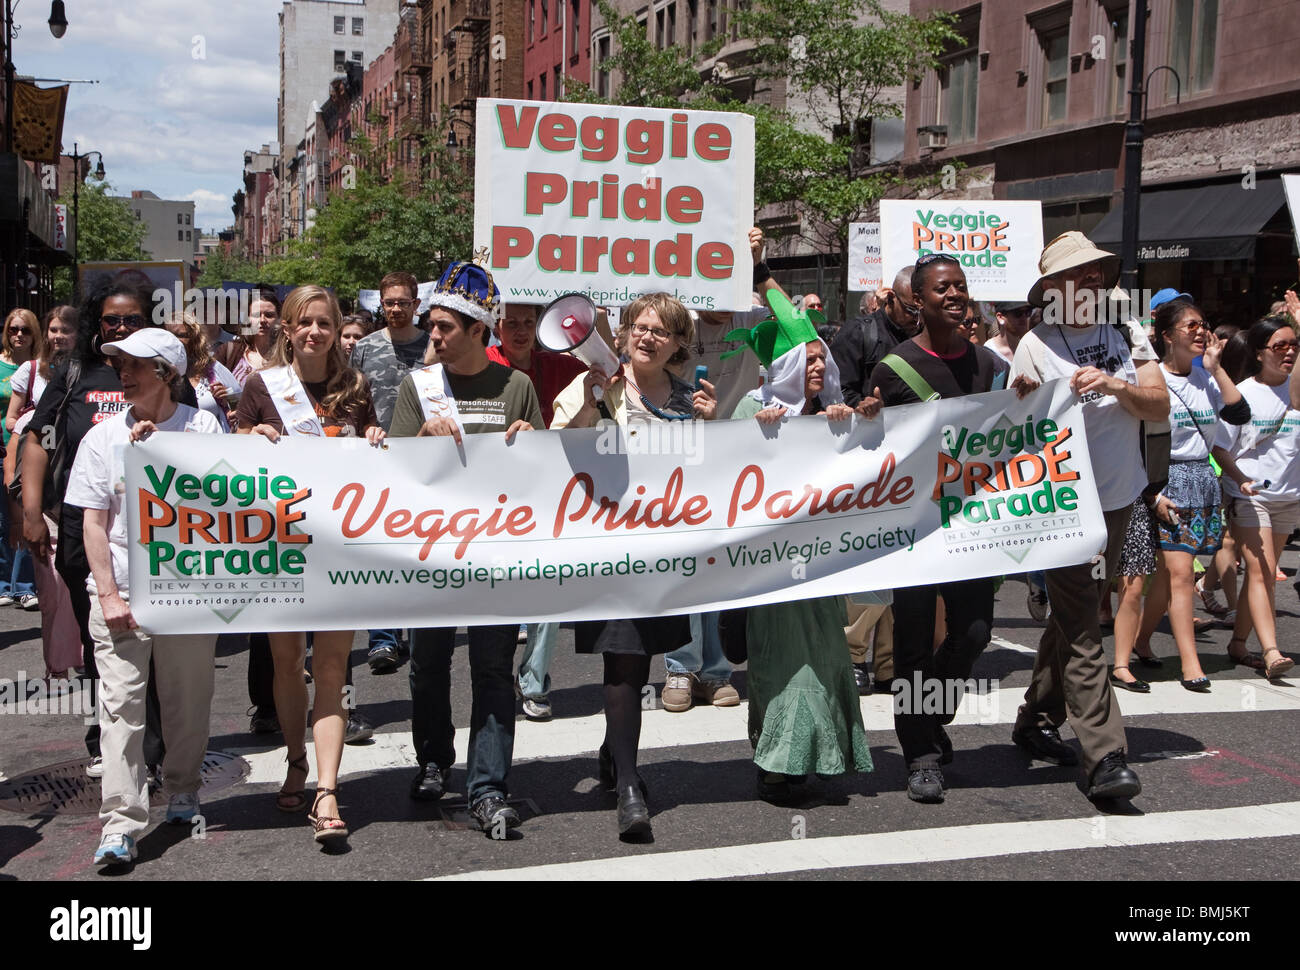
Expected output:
(625, 676)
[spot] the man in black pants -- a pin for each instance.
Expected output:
(937, 361)
(465, 393)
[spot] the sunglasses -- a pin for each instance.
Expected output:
(1284, 346)
(132, 321)
(664, 415)
(19, 330)
(931, 257)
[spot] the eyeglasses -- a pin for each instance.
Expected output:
(132, 321)
(1284, 346)
(397, 304)
(641, 330)
(1193, 325)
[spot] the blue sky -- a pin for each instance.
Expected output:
(185, 87)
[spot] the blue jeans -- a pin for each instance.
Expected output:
(492, 716)
(17, 577)
(703, 655)
(382, 638)
(535, 664)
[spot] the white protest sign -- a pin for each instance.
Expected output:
(997, 242)
(614, 202)
(235, 533)
(864, 256)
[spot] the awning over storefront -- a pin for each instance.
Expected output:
(1202, 222)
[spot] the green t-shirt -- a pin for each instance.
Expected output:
(489, 401)
(7, 372)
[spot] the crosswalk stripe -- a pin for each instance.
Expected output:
(567, 737)
(928, 845)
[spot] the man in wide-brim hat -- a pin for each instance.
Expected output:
(1114, 370)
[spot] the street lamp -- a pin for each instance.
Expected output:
(452, 120)
(76, 212)
(58, 19)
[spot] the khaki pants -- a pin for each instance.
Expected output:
(871, 627)
(183, 668)
(1070, 675)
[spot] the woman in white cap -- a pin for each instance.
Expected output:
(151, 368)
(308, 390)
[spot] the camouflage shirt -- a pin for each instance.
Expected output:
(385, 364)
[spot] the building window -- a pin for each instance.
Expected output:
(187, 219)
(530, 90)
(358, 27)
(1055, 45)
(711, 20)
(1192, 42)
(532, 20)
(187, 235)
(601, 56)
(180, 235)
(340, 62)
(559, 84)
(666, 26)
(543, 88)
(180, 219)
(1118, 99)
(958, 95)
(575, 20)
(356, 57)
(543, 23)
(340, 25)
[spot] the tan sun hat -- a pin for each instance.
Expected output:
(1066, 251)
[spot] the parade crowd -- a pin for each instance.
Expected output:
(1223, 485)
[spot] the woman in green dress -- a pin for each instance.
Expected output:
(804, 713)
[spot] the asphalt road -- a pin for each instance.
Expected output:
(1221, 778)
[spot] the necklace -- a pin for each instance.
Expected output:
(1101, 344)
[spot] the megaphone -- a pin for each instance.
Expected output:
(568, 326)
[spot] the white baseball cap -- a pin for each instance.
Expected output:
(152, 343)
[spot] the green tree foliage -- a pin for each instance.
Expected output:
(106, 229)
(222, 267)
(381, 224)
(841, 71)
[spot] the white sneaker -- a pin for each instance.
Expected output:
(96, 768)
(6, 599)
(29, 602)
(182, 808)
(537, 708)
(115, 850)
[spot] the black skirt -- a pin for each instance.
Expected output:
(648, 635)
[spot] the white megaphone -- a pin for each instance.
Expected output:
(568, 326)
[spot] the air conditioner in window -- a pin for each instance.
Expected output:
(932, 136)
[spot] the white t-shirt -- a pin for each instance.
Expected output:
(1191, 429)
(1051, 351)
(19, 383)
(731, 378)
(98, 478)
(221, 375)
(1268, 447)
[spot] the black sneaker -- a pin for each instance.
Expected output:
(925, 785)
(382, 660)
(492, 815)
(1113, 778)
(263, 722)
(358, 729)
(1045, 744)
(430, 783)
(862, 679)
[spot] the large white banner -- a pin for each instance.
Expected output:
(614, 202)
(997, 242)
(864, 256)
(236, 533)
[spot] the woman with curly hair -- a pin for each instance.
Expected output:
(308, 389)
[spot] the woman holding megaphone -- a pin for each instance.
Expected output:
(641, 396)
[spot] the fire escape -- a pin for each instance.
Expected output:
(466, 44)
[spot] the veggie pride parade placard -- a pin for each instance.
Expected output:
(236, 533)
(614, 202)
(997, 242)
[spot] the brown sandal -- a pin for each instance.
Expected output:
(1252, 660)
(294, 801)
(327, 828)
(1279, 666)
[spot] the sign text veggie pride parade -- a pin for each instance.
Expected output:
(234, 533)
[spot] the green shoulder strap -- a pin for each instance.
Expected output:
(908, 375)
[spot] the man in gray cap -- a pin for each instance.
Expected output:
(1114, 370)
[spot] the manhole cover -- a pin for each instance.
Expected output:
(64, 789)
